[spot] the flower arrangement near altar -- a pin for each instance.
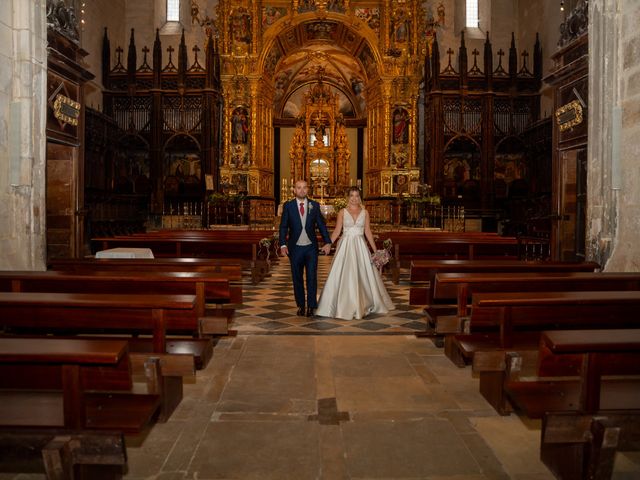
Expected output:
(339, 203)
(380, 258)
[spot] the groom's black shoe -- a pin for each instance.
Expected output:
(310, 312)
(301, 311)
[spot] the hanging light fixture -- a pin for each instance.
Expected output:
(562, 5)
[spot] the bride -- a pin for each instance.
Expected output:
(354, 287)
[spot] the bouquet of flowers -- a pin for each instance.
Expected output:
(380, 258)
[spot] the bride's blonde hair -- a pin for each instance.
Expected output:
(355, 189)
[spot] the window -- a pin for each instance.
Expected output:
(472, 20)
(173, 10)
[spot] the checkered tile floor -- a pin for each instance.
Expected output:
(269, 308)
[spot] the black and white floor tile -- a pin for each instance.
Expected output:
(269, 308)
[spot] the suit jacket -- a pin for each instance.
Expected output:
(290, 224)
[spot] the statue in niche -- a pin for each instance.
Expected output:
(240, 24)
(401, 29)
(239, 126)
(400, 126)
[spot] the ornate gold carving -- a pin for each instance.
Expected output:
(569, 115)
(66, 110)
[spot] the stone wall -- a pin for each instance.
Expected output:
(543, 17)
(22, 134)
(98, 15)
(614, 129)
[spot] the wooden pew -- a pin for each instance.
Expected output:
(242, 247)
(591, 416)
(507, 322)
(423, 272)
(57, 394)
(64, 313)
(226, 268)
(89, 312)
(416, 245)
(458, 287)
(211, 287)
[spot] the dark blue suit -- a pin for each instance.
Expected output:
(303, 257)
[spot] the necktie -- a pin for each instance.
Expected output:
(302, 209)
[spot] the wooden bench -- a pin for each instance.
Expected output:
(413, 246)
(423, 283)
(458, 287)
(57, 394)
(242, 248)
(506, 322)
(423, 272)
(588, 417)
(94, 313)
(207, 287)
(226, 268)
(75, 313)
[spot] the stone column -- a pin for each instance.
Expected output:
(23, 68)
(613, 212)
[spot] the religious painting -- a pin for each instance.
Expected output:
(401, 27)
(400, 127)
(306, 6)
(240, 126)
(240, 26)
(321, 30)
(239, 183)
(400, 184)
(457, 167)
(272, 59)
(290, 40)
(509, 162)
(371, 16)
(461, 167)
(281, 81)
(182, 170)
(510, 167)
(336, 6)
(271, 15)
(239, 156)
(366, 58)
(182, 165)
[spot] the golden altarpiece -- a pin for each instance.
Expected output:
(368, 54)
(319, 150)
(326, 72)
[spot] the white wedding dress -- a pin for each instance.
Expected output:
(354, 287)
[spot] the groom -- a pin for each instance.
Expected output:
(300, 217)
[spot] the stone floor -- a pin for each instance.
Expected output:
(339, 407)
(291, 398)
(298, 402)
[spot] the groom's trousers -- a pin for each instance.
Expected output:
(301, 259)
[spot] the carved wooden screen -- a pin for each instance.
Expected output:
(469, 112)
